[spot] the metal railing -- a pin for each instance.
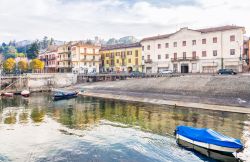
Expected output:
(184, 59)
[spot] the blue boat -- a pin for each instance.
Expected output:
(60, 95)
(201, 139)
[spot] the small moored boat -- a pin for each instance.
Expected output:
(25, 93)
(61, 95)
(8, 94)
(205, 140)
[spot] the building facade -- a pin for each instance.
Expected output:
(64, 58)
(121, 58)
(85, 58)
(194, 51)
(50, 59)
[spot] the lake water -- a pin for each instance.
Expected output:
(91, 129)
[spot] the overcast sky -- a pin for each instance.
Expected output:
(82, 19)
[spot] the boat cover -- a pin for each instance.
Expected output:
(209, 136)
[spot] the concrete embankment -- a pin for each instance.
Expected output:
(37, 81)
(223, 93)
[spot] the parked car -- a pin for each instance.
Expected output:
(166, 72)
(226, 71)
(134, 74)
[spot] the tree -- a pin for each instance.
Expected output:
(9, 64)
(33, 50)
(23, 65)
(36, 64)
(52, 41)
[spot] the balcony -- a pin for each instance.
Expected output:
(184, 59)
(148, 61)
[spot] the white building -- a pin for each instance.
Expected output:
(194, 51)
(85, 58)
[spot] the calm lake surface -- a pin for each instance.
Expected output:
(91, 129)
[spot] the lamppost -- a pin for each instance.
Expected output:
(213, 67)
(240, 58)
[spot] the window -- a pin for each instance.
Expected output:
(142, 48)
(175, 44)
(107, 62)
(117, 61)
(93, 51)
(232, 51)
(204, 53)
(214, 52)
(85, 50)
(93, 63)
(159, 57)
(159, 46)
(148, 56)
(204, 41)
(142, 57)
(166, 45)
(166, 56)
(85, 63)
(93, 57)
(129, 60)
(215, 40)
(184, 43)
(136, 53)
(194, 54)
(136, 61)
(129, 53)
(184, 55)
(148, 47)
(193, 42)
(175, 55)
(232, 38)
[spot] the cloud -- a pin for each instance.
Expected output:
(81, 19)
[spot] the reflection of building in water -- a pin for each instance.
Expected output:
(85, 112)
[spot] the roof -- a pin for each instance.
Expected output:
(83, 44)
(120, 46)
(205, 30)
(221, 28)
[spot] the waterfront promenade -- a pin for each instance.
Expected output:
(223, 93)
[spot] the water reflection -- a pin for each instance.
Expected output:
(102, 130)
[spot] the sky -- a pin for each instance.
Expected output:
(84, 19)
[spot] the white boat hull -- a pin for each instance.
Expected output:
(206, 145)
(25, 93)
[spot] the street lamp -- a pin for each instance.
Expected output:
(240, 58)
(213, 67)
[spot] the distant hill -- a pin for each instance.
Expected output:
(123, 40)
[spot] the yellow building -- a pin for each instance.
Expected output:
(121, 58)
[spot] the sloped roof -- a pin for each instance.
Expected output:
(205, 30)
(221, 28)
(120, 46)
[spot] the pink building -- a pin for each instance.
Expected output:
(50, 58)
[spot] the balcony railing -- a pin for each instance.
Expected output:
(148, 61)
(184, 59)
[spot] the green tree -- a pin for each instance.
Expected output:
(33, 50)
(36, 64)
(9, 64)
(23, 65)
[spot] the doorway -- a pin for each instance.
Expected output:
(184, 68)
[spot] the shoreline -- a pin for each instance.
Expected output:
(157, 101)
